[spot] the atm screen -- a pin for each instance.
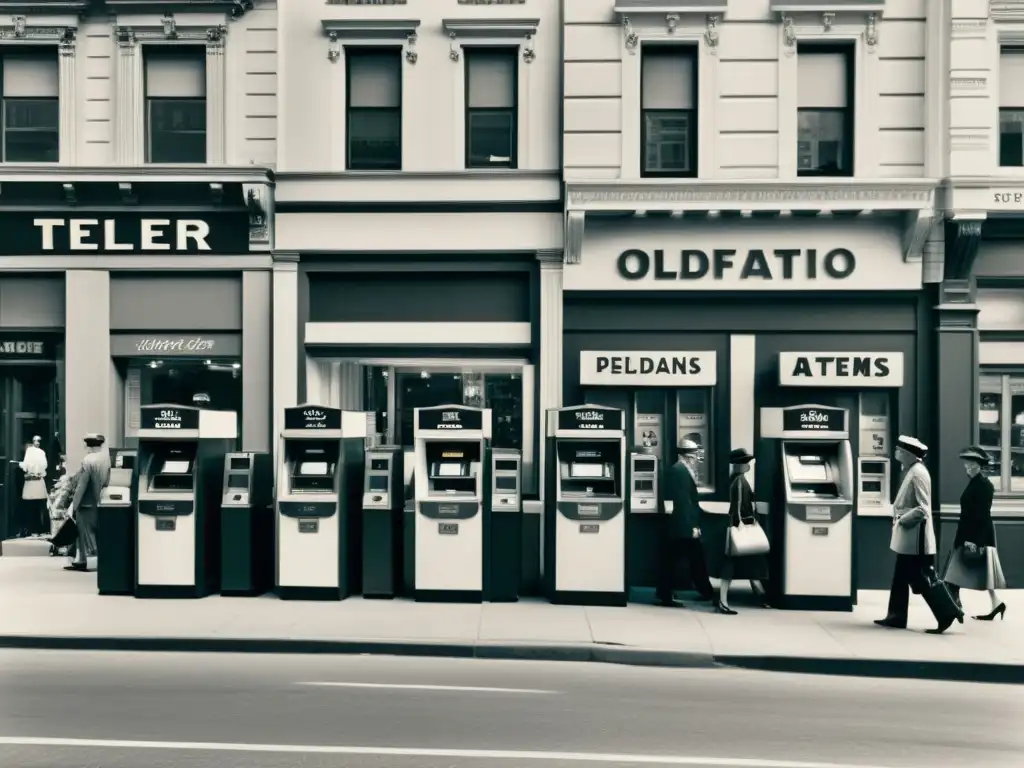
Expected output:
(449, 469)
(871, 486)
(646, 465)
(172, 467)
(379, 465)
(505, 483)
(240, 462)
(872, 468)
(378, 482)
(586, 471)
(238, 481)
(318, 468)
(505, 465)
(644, 486)
(808, 469)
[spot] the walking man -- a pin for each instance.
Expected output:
(682, 535)
(92, 478)
(913, 537)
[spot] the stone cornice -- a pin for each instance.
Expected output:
(756, 195)
(827, 6)
(43, 7)
(233, 8)
(671, 6)
(79, 174)
(62, 33)
(1006, 10)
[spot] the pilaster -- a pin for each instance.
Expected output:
(68, 99)
(550, 320)
(87, 359)
(130, 126)
(216, 97)
(285, 339)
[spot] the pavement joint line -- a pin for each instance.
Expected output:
(420, 687)
(478, 754)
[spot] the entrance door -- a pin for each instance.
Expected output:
(28, 407)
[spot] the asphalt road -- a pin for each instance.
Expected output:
(193, 710)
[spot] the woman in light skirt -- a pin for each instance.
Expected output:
(974, 561)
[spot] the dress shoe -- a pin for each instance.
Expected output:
(672, 603)
(891, 623)
(941, 628)
(76, 567)
(999, 611)
(725, 610)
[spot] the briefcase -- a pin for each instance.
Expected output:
(939, 600)
(66, 535)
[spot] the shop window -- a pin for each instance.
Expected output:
(492, 136)
(824, 111)
(1011, 107)
(1001, 430)
(693, 422)
(177, 382)
(175, 104)
(374, 94)
(31, 107)
(668, 120)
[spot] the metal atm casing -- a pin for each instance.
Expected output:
(645, 527)
(585, 529)
(451, 509)
(247, 524)
(115, 528)
(178, 477)
(505, 532)
(383, 513)
(818, 535)
(317, 515)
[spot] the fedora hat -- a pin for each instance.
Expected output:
(94, 440)
(686, 447)
(740, 456)
(912, 446)
(976, 454)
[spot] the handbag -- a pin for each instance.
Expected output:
(746, 539)
(972, 552)
(67, 534)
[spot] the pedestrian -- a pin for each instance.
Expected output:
(746, 545)
(34, 515)
(913, 538)
(682, 535)
(92, 479)
(974, 561)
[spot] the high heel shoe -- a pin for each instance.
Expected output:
(723, 609)
(1000, 611)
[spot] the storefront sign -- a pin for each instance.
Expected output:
(454, 418)
(168, 417)
(312, 417)
(124, 233)
(177, 345)
(22, 348)
(648, 369)
(841, 369)
(742, 255)
(590, 417)
(813, 418)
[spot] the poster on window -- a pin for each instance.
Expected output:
(647, 433)
(874, 435)
(694, 427)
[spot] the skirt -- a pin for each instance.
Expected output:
(982, 574)
(714, 534)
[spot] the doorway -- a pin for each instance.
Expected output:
(28, 406)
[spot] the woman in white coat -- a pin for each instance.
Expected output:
(35, 518)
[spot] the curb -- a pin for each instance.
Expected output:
(496, 651)
(944, 671)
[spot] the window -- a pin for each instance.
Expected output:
(1011, 107)
(374, 109)
(31, 107)
(668, 106)
(824, 112)
(175, 104)
(492, 134)
(693, 422)
(1001, 430)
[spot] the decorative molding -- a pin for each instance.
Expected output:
(791, 32)
(490, 2)
(169, 30)
(52, 7)
(1006, 10)
(550, 259)
(259, 201)
(963, 238)
(827, 6)
(963, 29)
(629, 36)
(574, 224)
(367, 2)
(711, 35)
(671, 6)
(371, 29)
(492, 29)
(20, 31)
(968, 83)
(915, 231)
(233, 8)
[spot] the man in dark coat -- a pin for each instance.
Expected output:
(682, 534)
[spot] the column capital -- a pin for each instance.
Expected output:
(963, 236)
(574, 223)
(285, 261)
(550, 259)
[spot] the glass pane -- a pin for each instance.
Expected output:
(375, 139)
(667, 141)
(491, 75)
(667, 80)
(1016, 435)
(504, 396)
(177, 381)
(648, 426)
(490, 138)
(694, 422)
(31, 130)
(422, 390)
(375, 396)
(1011, 137)
(990, 427)
(177, 131)
(821, 141)
(375, 78)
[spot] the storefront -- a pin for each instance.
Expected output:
(118, 292)
(694, 323)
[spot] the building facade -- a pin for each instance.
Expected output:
(136, 198)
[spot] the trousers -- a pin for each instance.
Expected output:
(691, 553)
(909, 572)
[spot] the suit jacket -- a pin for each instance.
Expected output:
(741, 500)
(975, 523)
(913, 505)
(681, 490)
(93, 477)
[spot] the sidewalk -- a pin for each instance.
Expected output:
(43, 606)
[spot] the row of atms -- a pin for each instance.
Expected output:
(186, 516)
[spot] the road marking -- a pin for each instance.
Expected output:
(398, 686)
(456, 754)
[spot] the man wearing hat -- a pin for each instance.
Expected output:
(92, 479)
(913, 537)
(682, 539)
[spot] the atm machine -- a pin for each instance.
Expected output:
(178, 476)
(247, 524)
(505, 537)
(319, 487)
(452, 496)
(383, 510)
(645, 525)
(814, 505)
(115, 527)
(585, 527)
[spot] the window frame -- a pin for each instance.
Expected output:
(692, 52)
(709, 455)
(849, 155)
(1004, 486)
(514, 54)
(1002, 48)
(398, 52)
(147, 101)
(4, 103)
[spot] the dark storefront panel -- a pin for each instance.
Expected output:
(174, 302)
(435, 297)
(32, 301)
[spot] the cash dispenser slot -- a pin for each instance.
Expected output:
(453, 469)
(588, 472)
(312, 468)
(874, 483)
(812, 476)
(169, 472)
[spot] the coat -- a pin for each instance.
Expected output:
(93, 477)
(681, 490)
(913, 505)
(34, 465)
(741, 507)
(975, 523)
